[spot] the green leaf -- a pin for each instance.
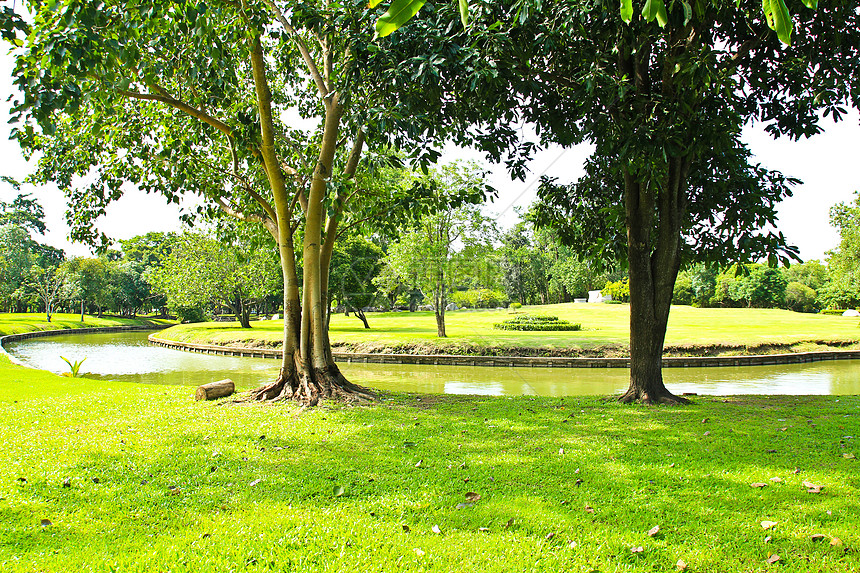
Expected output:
(400, 12)
(338, 491)
(811, 4)
(627, 10)
(778, 19)
(373, 3)
(655, 9)
(464, 12)
(688, 12)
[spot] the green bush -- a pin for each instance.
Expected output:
(619, 290)
(800, 298)
(536, 322)
(479, 298)
(516, 305)
(833, 311)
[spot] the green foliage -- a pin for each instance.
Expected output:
(516, 305)
(844, 261)
(618, 290)
(201, 273)
(683, 292)
(355, 263)
(800, 298)
(536, 323)
(74, 366)
(479, 298)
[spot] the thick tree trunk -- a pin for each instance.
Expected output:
(652, 277)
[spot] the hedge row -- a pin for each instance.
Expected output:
(532, 323)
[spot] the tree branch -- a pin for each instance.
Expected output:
(320, 82)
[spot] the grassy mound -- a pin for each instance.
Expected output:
(535, 323)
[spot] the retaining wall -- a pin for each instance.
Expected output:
(523, 361)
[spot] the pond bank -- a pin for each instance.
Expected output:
(543, 361)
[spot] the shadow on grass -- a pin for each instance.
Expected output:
(352, 486)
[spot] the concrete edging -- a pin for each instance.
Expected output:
(522, 361)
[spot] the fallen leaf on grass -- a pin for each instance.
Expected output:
(419, 553)
(796, 471)
(472, 496)
(812, 487)
(767, 539)
(848, 456)
(255, 482)
(817, 537)
(758, 484)
(561, 451)
(768, 524)
(418, 463)
(550, 535)
(464, 505)
(510, 523)
(67, 482)
(405, 528)
(773, 559)
(484, 529)
(638, 549)
(708, 433)
(571, 544)
(654, 531)
(338, 491)
(46, 522)
(681, 565)
(436, 529)
(835, 541)
(776, 480)
(589, 509)
(175, 490)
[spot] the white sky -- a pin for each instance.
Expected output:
(827, 165)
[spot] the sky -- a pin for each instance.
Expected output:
(827, 164)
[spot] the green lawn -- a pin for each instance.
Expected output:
(29, 322)
(604, 324)
(158, 482)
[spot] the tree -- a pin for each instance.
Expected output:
(670, 181)
(48, 284)
(192, 97)
(427, 256)
(843, 262)
(201, 272)
(355, 263)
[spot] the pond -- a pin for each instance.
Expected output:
(127, 356)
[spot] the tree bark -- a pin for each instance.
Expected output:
(652, 277)
(214, 390)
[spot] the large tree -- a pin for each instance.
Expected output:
(207, 98)
(663, 96)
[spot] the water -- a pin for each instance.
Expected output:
(127, 356)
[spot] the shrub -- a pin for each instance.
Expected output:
(683, 291)
(536, 322)
(800, 298)
(479, 298)
(516, 305)
(619, 290)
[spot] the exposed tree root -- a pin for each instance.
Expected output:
(638, 396)
(311, 386)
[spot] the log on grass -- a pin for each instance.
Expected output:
(215, 390)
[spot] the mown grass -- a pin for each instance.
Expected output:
(603, 324)
(16, 323)
(254, 487)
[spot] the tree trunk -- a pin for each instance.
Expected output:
(82, 310)
(652, 278)
(359, 313)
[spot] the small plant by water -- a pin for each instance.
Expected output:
(536, 322)
(75, 366)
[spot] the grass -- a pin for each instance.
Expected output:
(603, 325)
(158, 482)
(16, 323)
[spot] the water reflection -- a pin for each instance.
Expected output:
(129, 357)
